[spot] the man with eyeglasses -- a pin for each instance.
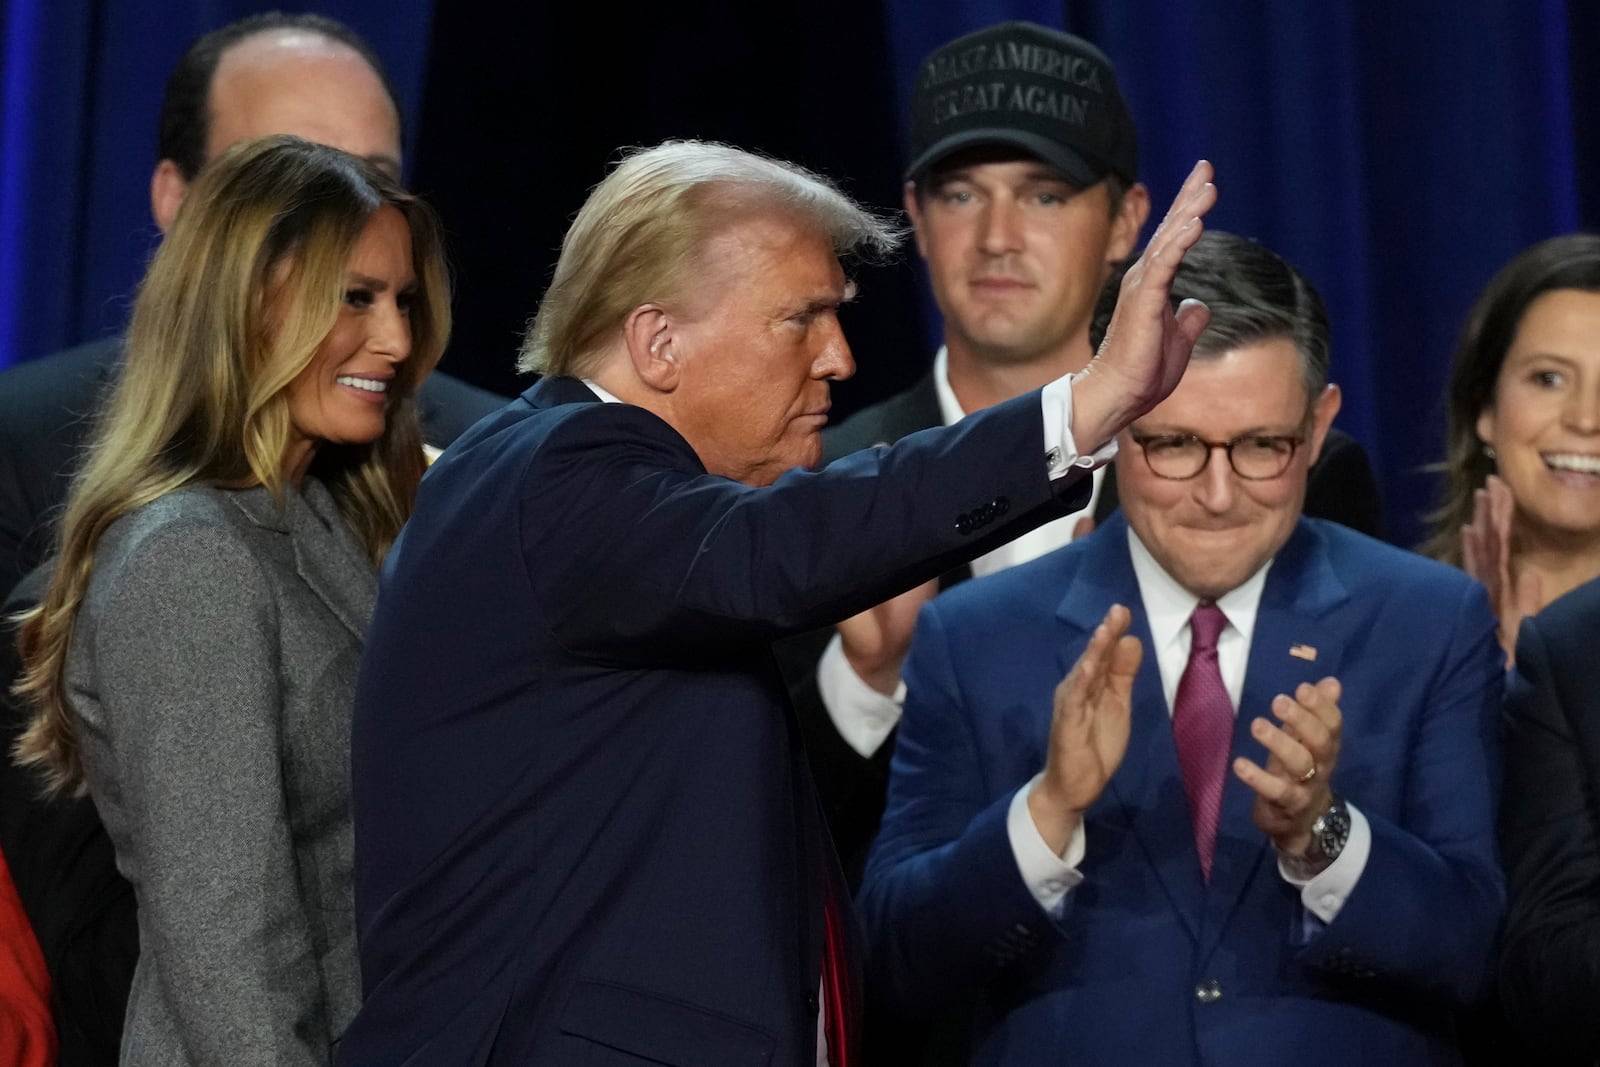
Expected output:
(1019, 216)
(1254, 824)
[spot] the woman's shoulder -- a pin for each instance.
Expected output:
(194, 530)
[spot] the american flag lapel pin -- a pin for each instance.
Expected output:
(1305, 652)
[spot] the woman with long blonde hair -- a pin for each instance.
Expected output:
(193, 662)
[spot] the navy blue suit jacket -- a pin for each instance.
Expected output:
(585, 833)
(1550, 830)
(1147, 964)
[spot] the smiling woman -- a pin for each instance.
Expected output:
(1522, 501)
(193, 662)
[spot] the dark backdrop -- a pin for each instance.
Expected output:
(1399, 152)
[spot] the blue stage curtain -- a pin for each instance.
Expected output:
(82, 84)
(1398, 152)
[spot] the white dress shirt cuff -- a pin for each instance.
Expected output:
(1049, 877)
(863, 716)
(1325, 894)
(1061, 451)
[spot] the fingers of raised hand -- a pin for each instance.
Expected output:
(1178, 231)
(1106, 652)
(1192, 317)
(1275, 789)
(1501, 504)
(1288, 758)
(1194, 198)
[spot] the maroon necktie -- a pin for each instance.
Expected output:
(1202, 728)
(836, 992)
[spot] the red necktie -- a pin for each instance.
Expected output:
(1202, 728)
(836, 995)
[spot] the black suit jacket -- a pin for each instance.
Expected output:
(584, 832)
(1341, 488)
(1550, 831)
(47, 407)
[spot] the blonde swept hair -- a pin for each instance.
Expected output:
(233, 307)
(635, 239)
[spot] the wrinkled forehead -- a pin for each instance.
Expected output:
(780, 255)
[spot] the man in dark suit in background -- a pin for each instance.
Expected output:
(298, 74)
(1550, 832)
(1023, 191)
(1160, 871)
(585, 831)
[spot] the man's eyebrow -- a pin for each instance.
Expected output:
(1043, 172)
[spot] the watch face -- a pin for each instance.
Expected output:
(1332, 830)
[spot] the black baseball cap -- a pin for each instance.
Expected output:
(1043, 91)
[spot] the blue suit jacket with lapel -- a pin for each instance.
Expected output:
(1115, 979)
(585, 834)
(1341, 487)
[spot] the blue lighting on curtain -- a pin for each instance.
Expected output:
(19, 74)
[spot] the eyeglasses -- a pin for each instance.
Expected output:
(1254, 457)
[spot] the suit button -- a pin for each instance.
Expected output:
(1001, 505)
(811, 1003)
(1209, 991)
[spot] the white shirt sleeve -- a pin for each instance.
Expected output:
(863, 716)
(1061, 451)
(1048, 876)
(1325, 894)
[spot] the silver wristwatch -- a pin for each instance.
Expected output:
(1329, 833)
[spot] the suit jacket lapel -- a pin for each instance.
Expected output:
(327, 555)
(1146, 793)
(1291, 644)
(331, 560)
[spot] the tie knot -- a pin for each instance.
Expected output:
(1205, 625)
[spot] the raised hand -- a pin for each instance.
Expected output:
(1088, 730)
(1302, 752)
(1486, 555)
(876, 641)
(1147, 344)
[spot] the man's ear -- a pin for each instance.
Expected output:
(168, 187)
(1322, 413)
(649, 333)
(1129, 221)
(914, 212)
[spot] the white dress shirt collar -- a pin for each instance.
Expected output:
(1167, 607)
(608, 397)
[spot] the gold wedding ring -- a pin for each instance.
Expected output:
(1312, 773)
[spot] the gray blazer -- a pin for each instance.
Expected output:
(212, 673)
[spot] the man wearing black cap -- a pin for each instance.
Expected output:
(1023, 193)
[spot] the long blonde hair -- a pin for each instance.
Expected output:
(233, 307)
